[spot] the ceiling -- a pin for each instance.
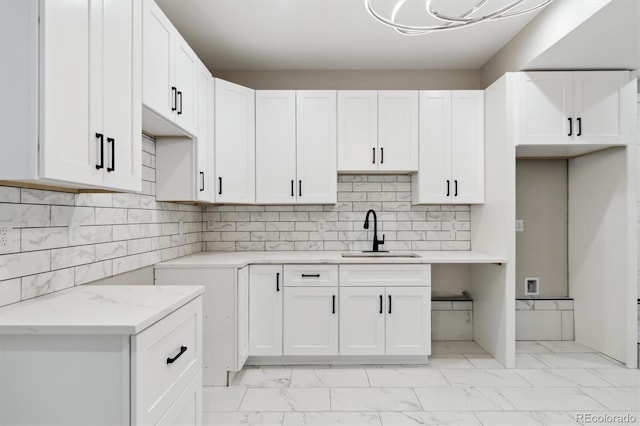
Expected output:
(330, 35)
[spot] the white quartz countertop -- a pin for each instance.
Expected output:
(96, 309)
(239, 259)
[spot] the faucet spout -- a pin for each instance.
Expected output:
(376, 243)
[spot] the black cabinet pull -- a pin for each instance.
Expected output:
(381, 155)
(277, 281)
(180, 109)
(292, 193)
(174, 105)
(389, 303)
(100, 137)
(202, 181)
(374, 156)
(455, 188)
(570, 126)
(183, 349)
(579, 119)
(310, 275)
(333, 304)
(112, 141)
(448, 186)
(219, 186)
(380, 303)
(299, 188)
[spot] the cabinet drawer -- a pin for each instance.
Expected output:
(164, 359)
(187, 409)
(310, 275)
(385, 275)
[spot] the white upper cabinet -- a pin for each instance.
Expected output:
(276, 179)
(234, 143)
(357, 130)
(71, 93)
(377, 131)
(316, 147)
(451, 148)
(205, 140)
(398, 131)
(581, 107)
(170, 75)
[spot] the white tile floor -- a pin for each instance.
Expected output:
(462, 385)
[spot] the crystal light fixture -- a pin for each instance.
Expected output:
(478, 13)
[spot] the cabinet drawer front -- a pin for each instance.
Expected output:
(187, 409)
(165, 357)
(385, 275)
(310, 275)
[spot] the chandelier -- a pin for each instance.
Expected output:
(478, 13)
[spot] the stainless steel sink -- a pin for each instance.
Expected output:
(377, 254)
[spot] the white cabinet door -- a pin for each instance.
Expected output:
(467, 146)
(242, 309)
(316, 147)
(276, 180)
(310, 321)
(362, 317)
(234, 143)
(545, 108)
(357, 130)
(408, 322)
(157, 60)
(398, 130)
(432, 183)
(265, 309)
(187, 408)
(600, 115)
(121, 76)
(186, 70)
(204, 141)
(68, 145)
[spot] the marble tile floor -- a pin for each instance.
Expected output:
(554, 383)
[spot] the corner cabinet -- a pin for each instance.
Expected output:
(377, 131)
(234, 143)
(572, 107)
(296, 147)
(71, 93)
(170, 71)
(451, 148)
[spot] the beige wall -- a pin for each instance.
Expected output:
(356, 80)
(541, 249)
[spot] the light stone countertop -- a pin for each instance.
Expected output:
(96, 309)
(238, 259)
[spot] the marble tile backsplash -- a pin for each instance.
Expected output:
(340, 226)
(109, 234)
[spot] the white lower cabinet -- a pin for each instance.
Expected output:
(187, 409)
(265, 310)
(362, 318)
(310, 321)
(408, 321)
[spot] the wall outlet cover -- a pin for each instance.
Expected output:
(532, 286)
(519, 225)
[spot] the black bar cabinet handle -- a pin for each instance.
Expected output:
(219, 186)
(299, 188)
(183, 349)
(180, 109)
(570, 126)
(202, 181)
(381, 155)
(374, 156)
(380, 303)
(310, 275)
(579, 119)
(100, 136)
(174, 105)
(448, 187)
(277, 281)
(389, 303)
(455, 188)
(112, 141)
(292, 193)
(333, 304)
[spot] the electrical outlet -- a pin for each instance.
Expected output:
(73, 232)
(180, 227)
(210, 223)
(4, 241)
(4, 229)
(519, 225)
(322, 225)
